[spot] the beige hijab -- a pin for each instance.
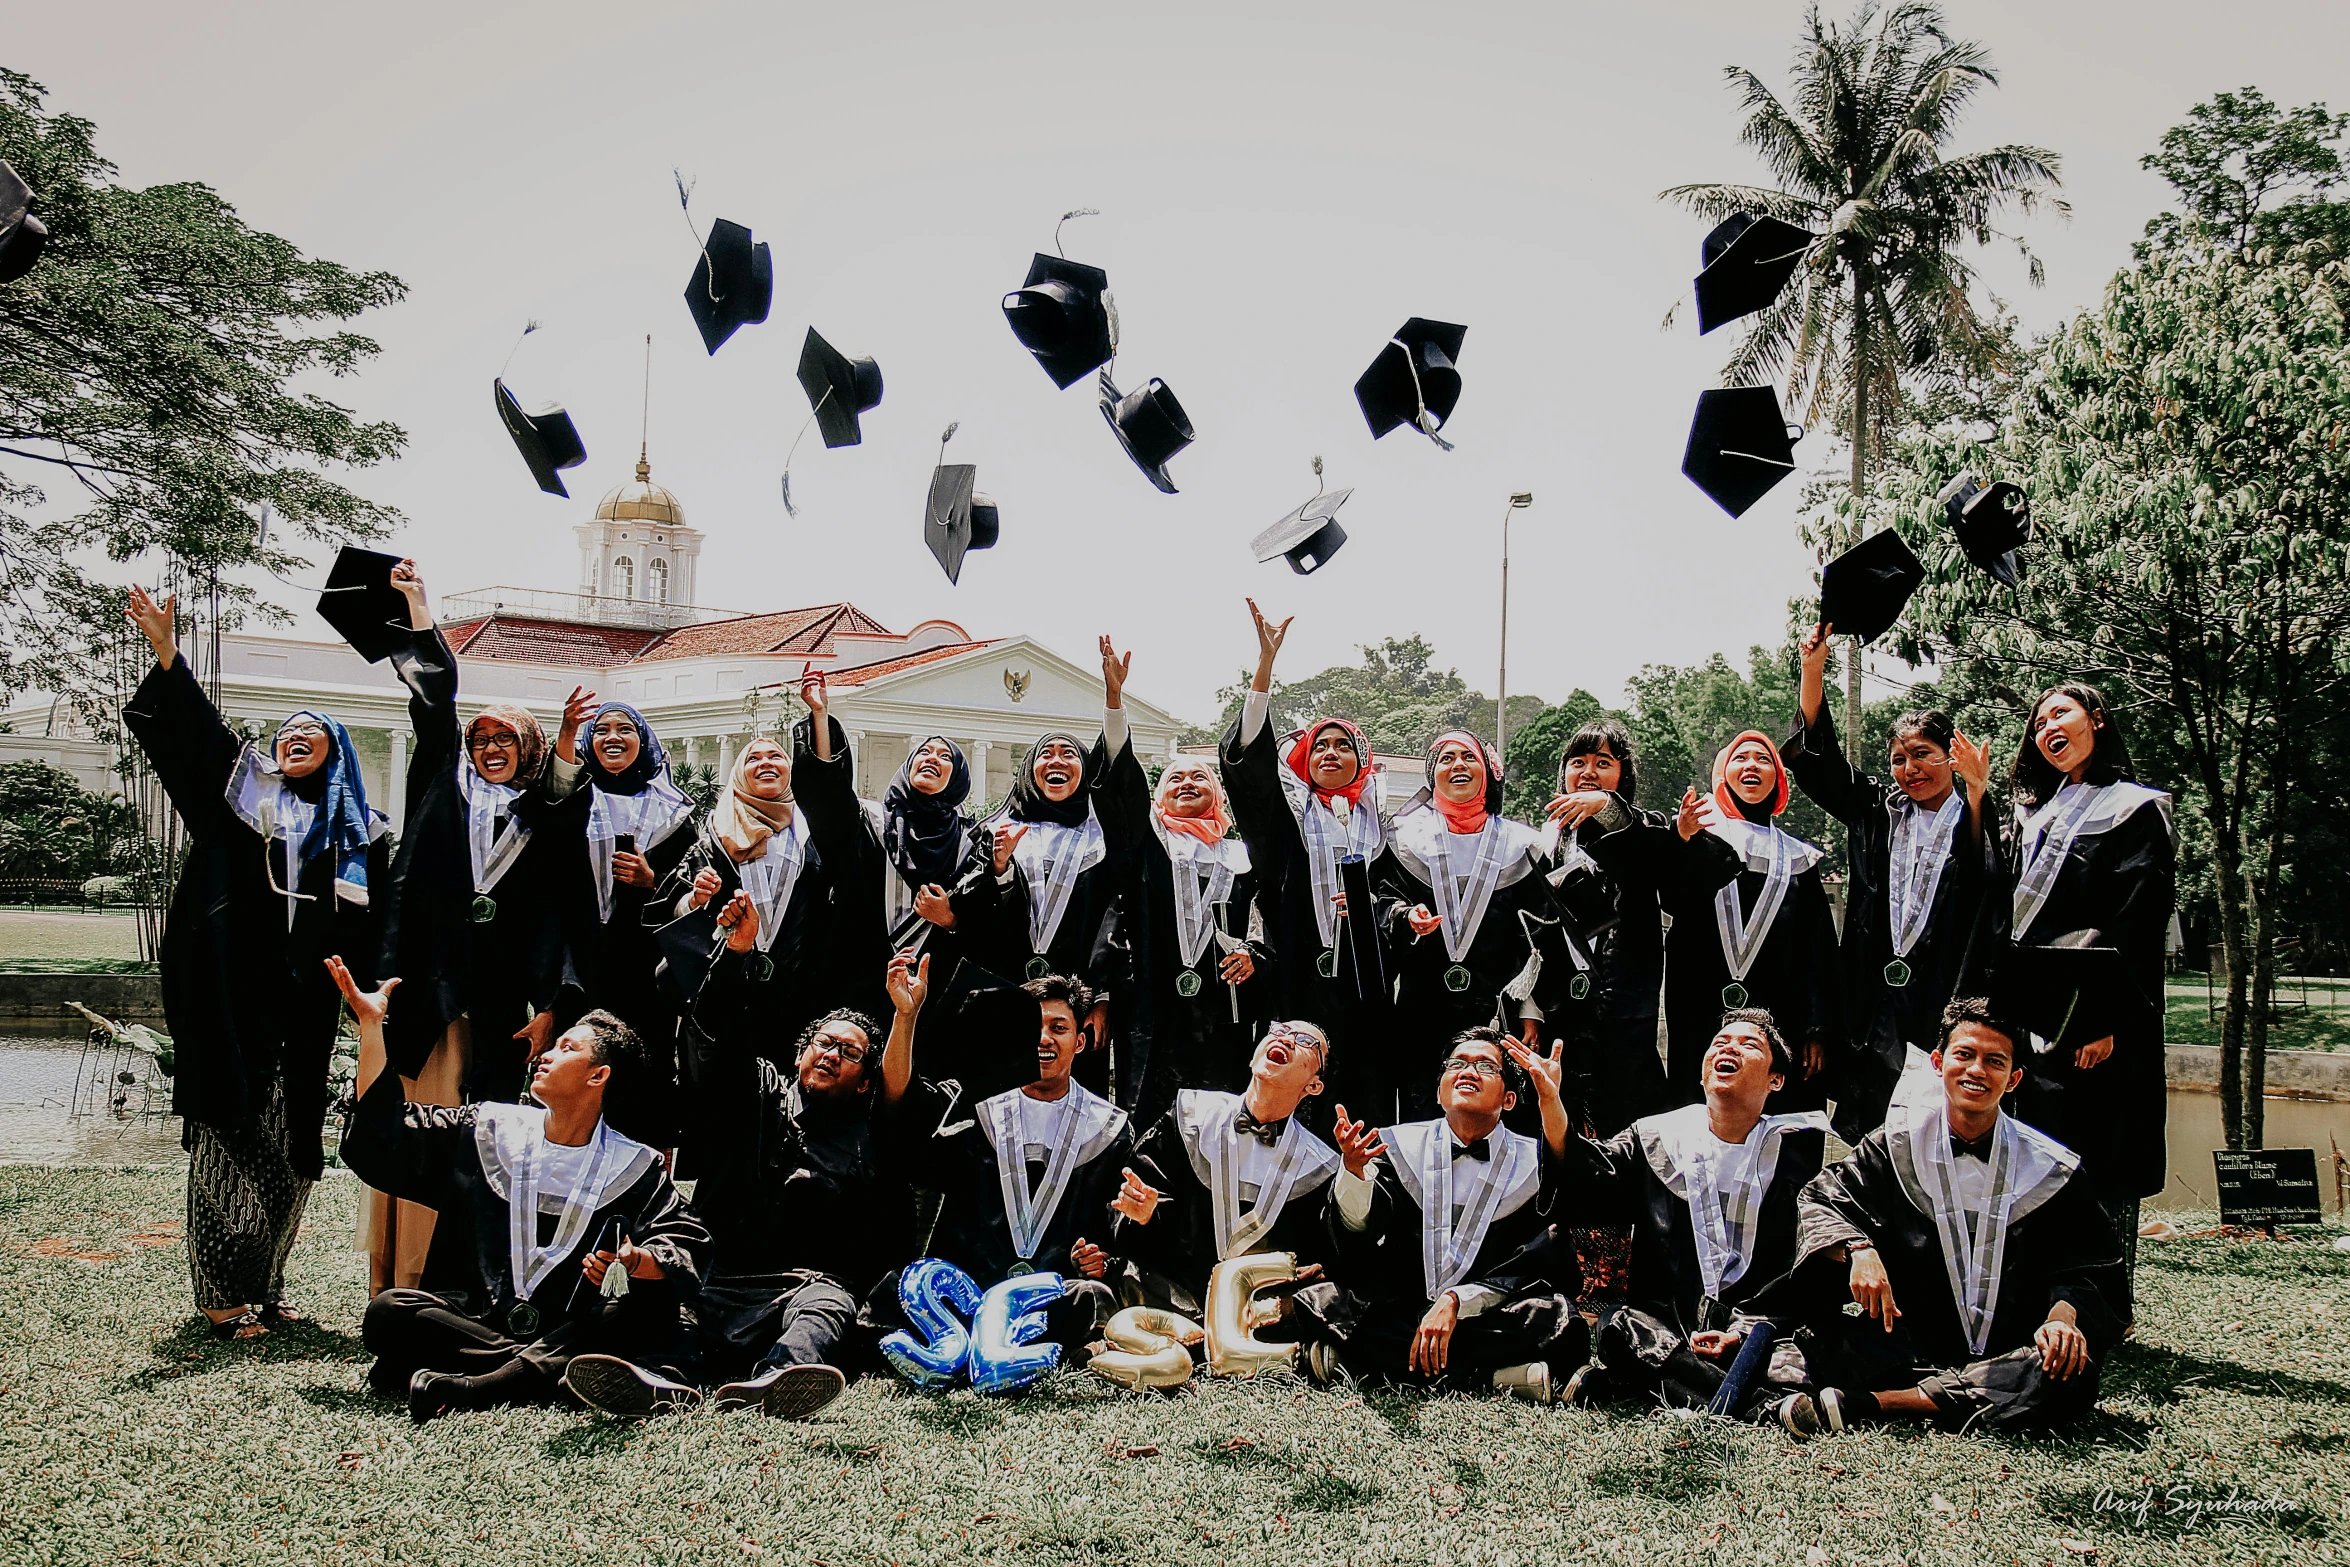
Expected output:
(741, 821)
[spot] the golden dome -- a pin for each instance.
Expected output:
(642, 501)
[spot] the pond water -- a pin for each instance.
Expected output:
(44, 1079)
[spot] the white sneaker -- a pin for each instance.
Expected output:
(1530, 1382)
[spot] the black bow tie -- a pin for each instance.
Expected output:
(1476, 1150)
(1960, 1148)
(1266, 1132)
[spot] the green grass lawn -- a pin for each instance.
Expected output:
(50, 934)
(2323, 1025)
(127, 1434)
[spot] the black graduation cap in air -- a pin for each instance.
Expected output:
(733, 283)
(1413, 380)
(957, 517)
(1992, 522)
(21, 234)
(2040, 988)
(1747, 260)
(839, 389)
(360, 602)
(547, 439)
(1062, 316)
(1864, 590)
(1309, 536)
(1150, 424)
(688, 945)
(1739, 446)
(992, 1025)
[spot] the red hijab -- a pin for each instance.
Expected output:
(1302, 752)
(1726, 797)
(1467, 816)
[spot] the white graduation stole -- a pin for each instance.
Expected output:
(1028, 1215)
(1424, 1163)
(770, 876)
(493, 849)
(1207, 1126)
(1919, 854)
(1052, 857)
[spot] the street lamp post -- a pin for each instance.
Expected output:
(1519, 501)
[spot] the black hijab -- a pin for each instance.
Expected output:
(1027, 802)
(926, 834)
(650, 758)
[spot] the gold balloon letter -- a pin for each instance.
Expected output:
(1148, 1348)
(1234, 1313)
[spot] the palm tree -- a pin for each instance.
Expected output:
(1883, 290)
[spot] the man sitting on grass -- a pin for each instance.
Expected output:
(1710, 1193)
(1442, 1231)
(560, 1243)
(1976, 1257)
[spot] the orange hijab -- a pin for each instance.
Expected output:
(1211, 827)
(1301, 754)
(1726, 797)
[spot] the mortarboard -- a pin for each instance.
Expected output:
(21, 234)
(839, 389)
(1992, 522)
(547, 439)
(1747, 260)
(957, 518)
(2040, 987)
(1413, 381)
(1309, 536)
(994, 1026)
(1863, 590)
(360, 602)
(1739, 446)
(733, 283)
(688, 945)
(1149, 423)
(1062, 316)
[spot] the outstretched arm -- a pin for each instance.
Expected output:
(909, 987)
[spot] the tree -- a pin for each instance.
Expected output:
(1398, 696)
(1858, 156)
(148, 363)
(2187, 450)
(2251, 177)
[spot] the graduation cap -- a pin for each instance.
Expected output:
(1309, 536)
(2040, 987)
(1149, 423)
(1588, 903)
(1413, 380)
(1863, 590)
(839, 389)
(957, 518)
(360, 602)
(689, 945)
(21, 234)
(1992, 522)
(1747, 260)
(547, 439)
(733, 283)
(1062, 316)
(1739, 446)
(993, 1026)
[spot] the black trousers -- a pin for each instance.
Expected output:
(784, 1319)
(2005, 1392)
(1541, 1327)
(1648, 1359)
(416, 1330)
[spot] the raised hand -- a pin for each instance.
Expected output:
(1688, 821)
(411, 586)
(908, 983)
(538, 1033)
(1007, 838)
(367, 1006)
(1114, 673)
(578, 708)
(1269, 640)
(1972, 762)
(740, 920)
(816, 695)
(1137, 1199)
(1812, 693)
(1358, 1143)
(155, 622)
(1547, 1072)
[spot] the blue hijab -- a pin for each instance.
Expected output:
(343, 824)
(650, 758)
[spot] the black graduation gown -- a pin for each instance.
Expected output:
(1620, 1077)
(2062, 1250)
(1797, 976)
(1285, 882)
(1178, 1041)
(1176, 1251)
(245, 999)
(427, 1154)
(501, 971)
(1091, 942)
(2121, 885)
(1884, 1020)
(1428, 1014)
(947, 946)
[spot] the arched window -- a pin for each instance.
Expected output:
(657, 581)
(624, 577)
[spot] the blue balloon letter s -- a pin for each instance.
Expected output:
(936, 1297)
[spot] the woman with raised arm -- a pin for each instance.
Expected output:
(283, 853)
(1914, 909)
(1304, 805)
(1190, 895)
(2095, 866)
(1766, 939)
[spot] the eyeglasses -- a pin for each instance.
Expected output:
(500, 741)
(1298, 1036)
(849, 1054)
(301, 728)
(1476, 1064)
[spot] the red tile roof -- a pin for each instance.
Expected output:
(863, 674)
(529, 641)
(808, 632)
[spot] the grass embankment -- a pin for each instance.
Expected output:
(2323, 1024)
(127, 1434)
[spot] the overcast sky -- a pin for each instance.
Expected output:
(1281, 185)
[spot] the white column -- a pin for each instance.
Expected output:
(395, 800)
(857, 760)
(980, 751)
(693, 750)
(725, 757)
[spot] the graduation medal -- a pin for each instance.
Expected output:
(1187, 983)
(1456, 978)
(522, 1319)
(1897, 974)
(1733, 994)
(485, 908)
(759, 967)
(1327, 964)
(1039, 967)
(1578, 987)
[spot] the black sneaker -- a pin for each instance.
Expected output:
(784, 1392)
(432, 1394)
(612, 1386)
(1798, 1416)
(1586, 1389)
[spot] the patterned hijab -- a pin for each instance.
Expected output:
(533, 753)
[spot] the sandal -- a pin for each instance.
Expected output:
(279, 1311)
(246, 1324)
